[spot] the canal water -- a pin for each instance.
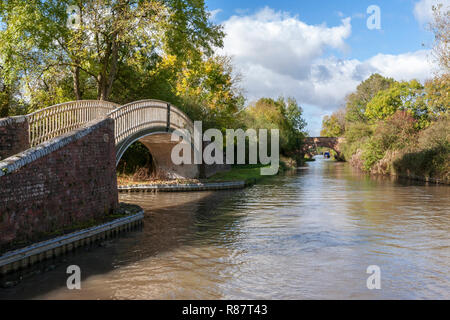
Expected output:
(308, 234)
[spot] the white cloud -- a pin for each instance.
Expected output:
(214, 13)
(279, 55)
(407, 66)
(281, 43)
(423, 10)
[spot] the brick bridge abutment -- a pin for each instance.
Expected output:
(62, 182)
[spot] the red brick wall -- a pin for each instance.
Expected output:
(13, 136)
(72, 184)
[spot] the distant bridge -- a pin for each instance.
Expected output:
(312, 143)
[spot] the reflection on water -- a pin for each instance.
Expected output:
(305, 235)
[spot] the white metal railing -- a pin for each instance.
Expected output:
(131, 118)
(136, 116)
(56, 120)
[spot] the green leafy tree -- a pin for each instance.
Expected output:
(334, 125)
(211, 84)
(282, 114)
(398, 132)
(438, 95)
(405, 96)
(110, 39)
(357, 101)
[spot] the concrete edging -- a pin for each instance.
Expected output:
(22, 258)
(185, 187)
(10, 120)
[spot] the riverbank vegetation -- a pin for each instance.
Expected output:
(133, 50)
(400, 127)
(249, 173)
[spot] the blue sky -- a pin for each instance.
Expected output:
(318, 51)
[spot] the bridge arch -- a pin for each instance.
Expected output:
(327, 142)
(152, 122)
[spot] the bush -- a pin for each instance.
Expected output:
(356, 137)
(431, 157)
(396, 133)
(437, 135)
(372, 152)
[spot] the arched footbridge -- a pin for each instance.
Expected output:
(148, 121)
(58, 165)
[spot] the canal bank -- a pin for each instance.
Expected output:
(187, 187)
(389, 167)
(239, 177)
(24, 255)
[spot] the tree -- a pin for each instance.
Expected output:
(438, 95)
(357, 101)
(405, 96)
(441, 29)
(334, 125)
(4, 97)
(211, 84)
(294, 115)
(108, 36)
(267, 113)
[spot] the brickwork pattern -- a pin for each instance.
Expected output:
(13, 136)
(65, 181)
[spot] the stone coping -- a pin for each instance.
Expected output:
(42, 247)
(209, 186)
(19, 160)
(10, 120)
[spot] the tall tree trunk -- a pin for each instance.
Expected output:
(101, 87)
(105, 79)
(76, 83)
(113, 70)
(4, 103)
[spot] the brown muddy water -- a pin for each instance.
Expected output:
(309, 234)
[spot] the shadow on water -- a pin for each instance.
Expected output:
(180, 220)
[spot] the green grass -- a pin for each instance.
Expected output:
(248, 173)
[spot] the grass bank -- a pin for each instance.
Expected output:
(251, 173)
(248, 173)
